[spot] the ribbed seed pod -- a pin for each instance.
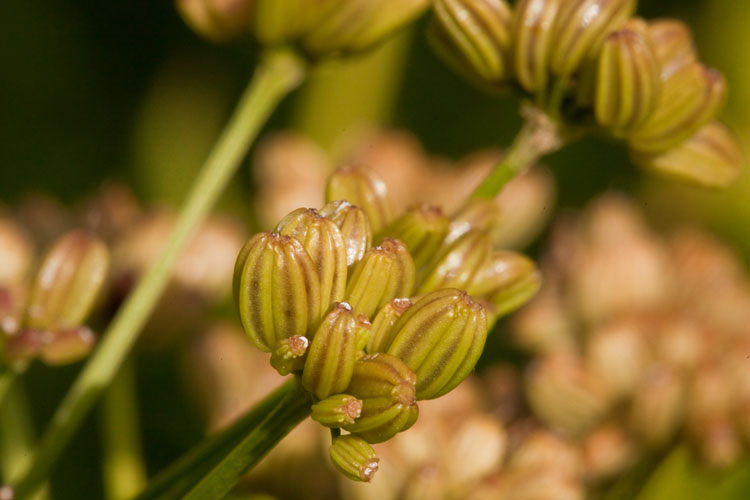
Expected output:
(473, 36)
(354, 25)
(580, 29)
(337, 410)
(385, 273)
(482, 215)
(440, 338)
(673, 44)
(276, 289)
(423, 229)
(354, 458)
(324, 244)
(68, 282)
(508, 280)
(330, 360)
(532, 42)
(354, 227)
(690, 99)
(382, 325)
(457, 264)
(364, 189)
(363, 332)
(628, 80)
(289, 354)
(712, 158)
(387, 389)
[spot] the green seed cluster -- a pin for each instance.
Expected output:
(370, 330)
(589, 64)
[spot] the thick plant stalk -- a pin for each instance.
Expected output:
(279, 72)
(538, 137)
(123, 467)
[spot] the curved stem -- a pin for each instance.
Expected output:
(179, 478)
(538, 136)
(278, 74)
(285, 416)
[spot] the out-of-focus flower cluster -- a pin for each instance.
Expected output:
(316, 27)
(589, 62)
(639, 340)
(96, 252)
(372, 329)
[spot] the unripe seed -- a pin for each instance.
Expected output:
(324, 244)
(354, 458)
(440, 338)
(507, 280)
(336, 411)
(354, 227)
(364, 189)
(385, 272)
(482, 215)
(457, 264)
(387, 389)
(276, 289)
(382, 325)
(330, 360)
(68, 282)
(532, 42)
(289, 354)
(423, 229)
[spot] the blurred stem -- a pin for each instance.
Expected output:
(538, 136)
(16, 433)
(279, 72)
(285, 416)
(123, 469)
(183, 476)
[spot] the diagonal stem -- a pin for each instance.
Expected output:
(279, 72)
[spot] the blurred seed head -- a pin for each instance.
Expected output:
(657, 406)
(217, 20)
(16, 253)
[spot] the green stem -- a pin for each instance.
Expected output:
(538, 136)
(122, 464)
(16, 433)
(180, 477)
(285, 416)
(278, 74)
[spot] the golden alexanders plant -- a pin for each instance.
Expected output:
(371, 332)
(590, 65)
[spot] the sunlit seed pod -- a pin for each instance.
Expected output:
(354, 457)
(384, 273)
(355, 25)
(423, 229)
(333, 351)
(711, 158)
(67, 283)
(481, 215)
(354, 227)
(564, 395)
(387, 389)
(289, 354)
(689, 99)
(532, 40)
(217, 20)
(473, 36)
(382, 325)
(657, 406)
(276, 289)
(628, 81)
(457, 264)
(364, 189)
(68, 346)
(324, 244)
(673, 44)
(580, 29)
(507, 280)
(16, 253)
(337, 410)
(440, 338)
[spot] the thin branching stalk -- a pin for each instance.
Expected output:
(280, 72)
